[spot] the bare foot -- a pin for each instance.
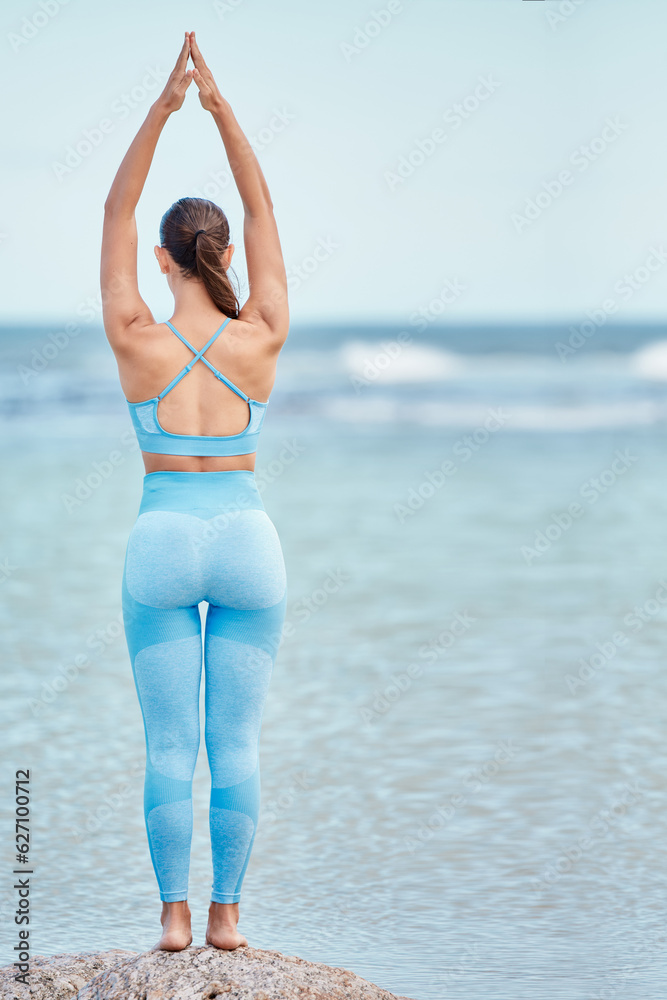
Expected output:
(221, 931)
(176, 930)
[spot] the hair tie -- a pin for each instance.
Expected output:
(198, 232)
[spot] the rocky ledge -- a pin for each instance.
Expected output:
(193, 974)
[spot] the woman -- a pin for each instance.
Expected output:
(197, 387)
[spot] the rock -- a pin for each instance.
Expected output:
(194, 974)
(58, 977)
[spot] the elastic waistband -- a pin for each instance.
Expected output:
(231, 489)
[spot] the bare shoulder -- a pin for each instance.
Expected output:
(252, 329)
(252, 351)
(139, 353)
(136, 339)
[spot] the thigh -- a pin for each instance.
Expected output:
(240, 650)
(165, 647)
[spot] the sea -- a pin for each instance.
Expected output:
(464, 746)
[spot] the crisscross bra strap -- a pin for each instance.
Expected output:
(199, 356)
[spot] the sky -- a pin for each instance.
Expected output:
(512, 150)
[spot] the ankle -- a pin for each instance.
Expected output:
(224, 913)
(178, 908)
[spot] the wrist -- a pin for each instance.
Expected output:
(159, 110)
(220, 107)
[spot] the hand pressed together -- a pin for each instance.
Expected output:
(172, 97)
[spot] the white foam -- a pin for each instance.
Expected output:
(390, 362)
(651, 361)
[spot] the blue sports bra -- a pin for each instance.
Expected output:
(153, 438)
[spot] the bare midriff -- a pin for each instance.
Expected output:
(197, 463)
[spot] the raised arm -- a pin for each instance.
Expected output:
(267, 304)
(122, 305)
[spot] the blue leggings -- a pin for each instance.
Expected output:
(202, 536)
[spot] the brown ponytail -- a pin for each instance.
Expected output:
(195, 232)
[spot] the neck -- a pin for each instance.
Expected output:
(192, 299)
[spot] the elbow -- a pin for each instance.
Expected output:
(113, 208)
(262, 207)
(114, 200)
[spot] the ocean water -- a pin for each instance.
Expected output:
(464, 746)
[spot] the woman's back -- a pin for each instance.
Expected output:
(200, 404)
